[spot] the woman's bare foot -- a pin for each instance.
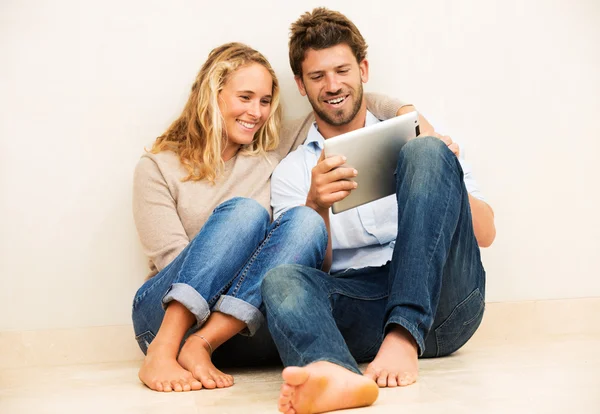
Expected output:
(161, 372)
(323, 386)
(195, 357)
(397, 362)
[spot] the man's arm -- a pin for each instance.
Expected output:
(483, 221)
(481, 212)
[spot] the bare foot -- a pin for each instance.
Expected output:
(195, 357)
(161, 372)
(323, 386)
(397, 362)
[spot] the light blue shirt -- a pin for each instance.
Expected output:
(359, 236)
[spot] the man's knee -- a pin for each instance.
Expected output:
(427, 155)
(424, 148)
(285, 284)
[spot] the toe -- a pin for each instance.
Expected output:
(287, 391)
(157, 386)
(392, 381)
(185, 385)
(176, 386)
(196, 385)
(225, 381)
(220, 383)
(372, 373)
(406, 379)
(382, 379)
(208, 382)
(166, 386)
(283, 404)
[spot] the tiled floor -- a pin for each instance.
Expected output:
(555, 375)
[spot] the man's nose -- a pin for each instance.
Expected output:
(333, 85)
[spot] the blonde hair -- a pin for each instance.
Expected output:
(198, 135)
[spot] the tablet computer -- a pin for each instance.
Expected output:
(373, 151)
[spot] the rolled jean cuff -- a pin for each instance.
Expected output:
(340, 363)
(410, 327)
(190, 298)
(242, 311)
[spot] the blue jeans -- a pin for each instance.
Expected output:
(434, 286)
(222, 268)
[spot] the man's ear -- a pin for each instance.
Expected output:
(364, 70)
(300, 85)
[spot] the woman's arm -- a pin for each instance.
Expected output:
(155, 213)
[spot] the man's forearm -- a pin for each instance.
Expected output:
(483, 221)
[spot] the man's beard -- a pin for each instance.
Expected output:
(338, 119)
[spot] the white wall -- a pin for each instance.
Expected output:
(84, 88)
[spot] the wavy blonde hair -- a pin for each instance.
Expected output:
(198, 136)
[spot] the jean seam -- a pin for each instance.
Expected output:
(215, 299)
(439, 235)
(251, 261)
(283, 335)
(439, 342)
(156, 279)
(459, 305)
(352, 296)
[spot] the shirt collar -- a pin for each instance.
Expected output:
(315, 140)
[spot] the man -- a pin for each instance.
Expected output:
(406, 276)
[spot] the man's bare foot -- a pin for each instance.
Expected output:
(323, 386)
(397, 362)
(161, 372)
(195, 357)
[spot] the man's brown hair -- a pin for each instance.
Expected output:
(321, 29)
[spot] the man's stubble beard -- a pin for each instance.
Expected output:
(337, 120)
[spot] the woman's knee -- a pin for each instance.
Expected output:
(245, 208)
(306, 223)
(245, 215)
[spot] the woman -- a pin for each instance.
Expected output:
(209, 249)
(202, 209)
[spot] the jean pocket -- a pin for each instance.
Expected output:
(462, 323)
(144, 340)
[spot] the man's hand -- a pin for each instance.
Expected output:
(330, 182)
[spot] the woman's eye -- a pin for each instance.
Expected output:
(266, 102)
(245, 97)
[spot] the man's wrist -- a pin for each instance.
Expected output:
(314, 206)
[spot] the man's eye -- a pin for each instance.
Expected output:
(344, 71)
(316, 77)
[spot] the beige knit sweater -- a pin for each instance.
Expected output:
(169, 213)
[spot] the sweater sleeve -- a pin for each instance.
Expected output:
(155, 213)
(382, 106)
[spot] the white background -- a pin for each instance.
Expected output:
(83, 88)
